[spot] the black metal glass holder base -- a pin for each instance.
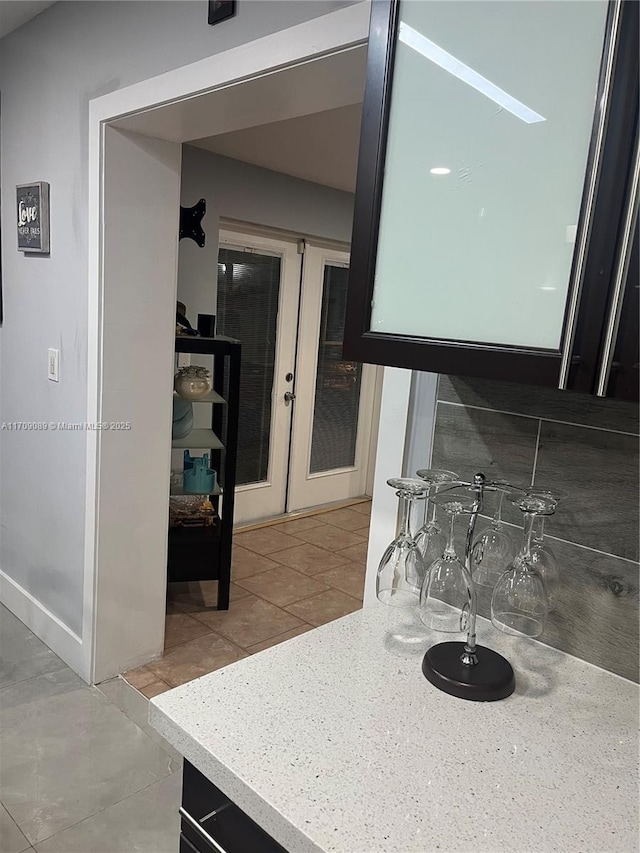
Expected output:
(488, 680)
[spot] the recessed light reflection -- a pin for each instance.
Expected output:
(440, 170)
(548, 288)
(436, 54)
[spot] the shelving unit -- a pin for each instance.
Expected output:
(204, 553)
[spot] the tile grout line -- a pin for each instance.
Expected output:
(537, 417)
(569, 542)
(535, 457)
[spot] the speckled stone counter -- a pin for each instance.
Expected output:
(335, 742)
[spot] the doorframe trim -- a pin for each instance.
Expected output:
(337, 31)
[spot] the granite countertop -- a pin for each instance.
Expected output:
(334, 742)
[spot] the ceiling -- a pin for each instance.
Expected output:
(15, 13)
(320, 147)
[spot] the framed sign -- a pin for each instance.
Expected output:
(32, 211)
(220, 10)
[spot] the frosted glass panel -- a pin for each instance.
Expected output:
(498, 98)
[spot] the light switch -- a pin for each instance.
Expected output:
(53, 372)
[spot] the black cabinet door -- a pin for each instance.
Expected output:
(419, 335)
(212, 823)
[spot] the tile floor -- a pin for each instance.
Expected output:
(288, 577)
(77, 774)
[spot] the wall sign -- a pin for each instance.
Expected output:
(220, 10)
(32, 212)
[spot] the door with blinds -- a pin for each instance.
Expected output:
(334, 405)
(306, 414)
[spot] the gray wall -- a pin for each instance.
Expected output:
(49, 70)
(252, 195)
(587, 447)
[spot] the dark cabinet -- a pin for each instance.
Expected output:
(496, 191)
(212, 823)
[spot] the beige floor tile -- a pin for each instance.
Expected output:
(310, 559)
(265, 540)
(197, 596)
(325, 607)
(297, 524)
(251, 620)
(356, 553)
(155, 689)
(245, 563)
(274, 641)
(330, 537)
(282, 586)
(364, 507)
(348, 578)
(140, 677)
(346, 519)
(180, 628)
(195, 658)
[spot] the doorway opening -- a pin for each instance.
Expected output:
(136, 138)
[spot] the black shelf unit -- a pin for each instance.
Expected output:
(204, 553)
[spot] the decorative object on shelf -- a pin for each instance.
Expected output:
(33, 217)
(192, 382)
(198, 478)
(401, 570)
(207, 325)
(183, 326)
(220, 10)
(182, 419)
(191, 222)
(191, 512)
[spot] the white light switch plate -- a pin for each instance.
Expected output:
(184, 359)
(53, 372)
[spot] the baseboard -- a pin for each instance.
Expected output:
(51, 630)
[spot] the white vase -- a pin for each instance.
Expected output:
(190, 388)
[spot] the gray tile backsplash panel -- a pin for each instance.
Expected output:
(587, 447)
(539, 402)
(599, 470)
(596, 618)
(500, 446)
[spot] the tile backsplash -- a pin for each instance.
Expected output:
(587, 447)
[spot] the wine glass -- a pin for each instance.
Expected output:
(493, 549)
(446, 594)
(430, 539)
(519, 604)
(401, 570)
(542, 555)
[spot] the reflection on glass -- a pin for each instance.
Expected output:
(247, 309)
(337, 400)
(503, 95)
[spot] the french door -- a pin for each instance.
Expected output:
(305, 413)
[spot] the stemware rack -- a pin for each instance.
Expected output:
(463, 668)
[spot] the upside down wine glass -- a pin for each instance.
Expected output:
(430, 539)
(401, 569)
(519, 604)
(445, 597)
(493, 549)
(542, 557)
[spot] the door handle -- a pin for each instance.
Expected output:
(289, 396)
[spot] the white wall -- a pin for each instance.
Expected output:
(75, 51)
(250, 194)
